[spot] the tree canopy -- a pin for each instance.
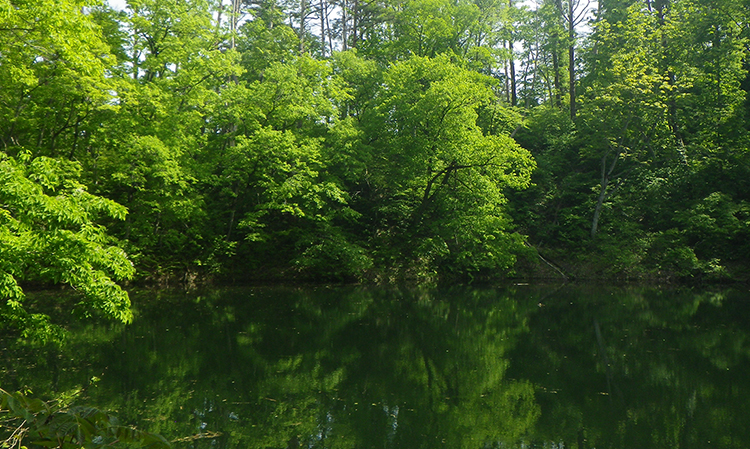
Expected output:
(349, 141)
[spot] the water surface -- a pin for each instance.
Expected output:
(358, 367)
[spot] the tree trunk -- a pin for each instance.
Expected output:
(323, 15)
(302, 20)
(355, 23)
(506, 88)
(329, 31)
(512, 63)
(598, 208)
(671, 78)
(571, 58)
(556, 69)
(603, 193)
(513, 89)
(236, 5)
(344, 19)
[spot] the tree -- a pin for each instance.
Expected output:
(52, 80)
(52, 93)
(148, 154)
(51, 233)
(704, 45)
(573, 13)
(265, 39)
(624, 111)
(269, 180)
(439, 178)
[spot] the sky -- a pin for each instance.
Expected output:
(119, 5)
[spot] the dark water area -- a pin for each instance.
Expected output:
(518, 366)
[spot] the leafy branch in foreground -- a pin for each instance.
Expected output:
(49, 233)
(31, 420)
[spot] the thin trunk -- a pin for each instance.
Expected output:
(534, 75)
(607, 177)
(355, 23)
(74, 145)
(548, 87)
(234, 20)
(136, 56)
(513, 91)
(671, 78)
(236, 5)
(40, 136)
(302, 20)
(555, 49)
(323, 14)
(716, 44)
(556, 70)
(525, 77)
(599, 204)
(507, 81)
(329, 32)
(218, 18)
(572, 59)
(568, 16)
(344, 20)
(230, 227)
(512, 64)
(572, 70)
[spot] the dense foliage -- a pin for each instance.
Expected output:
(370, 140)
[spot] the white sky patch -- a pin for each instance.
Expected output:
(118, 5)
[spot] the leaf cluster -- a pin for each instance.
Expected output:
(27, 420)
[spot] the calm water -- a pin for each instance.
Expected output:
(511, 367)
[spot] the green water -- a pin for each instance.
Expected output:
(504, 367)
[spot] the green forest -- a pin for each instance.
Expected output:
(370, 141)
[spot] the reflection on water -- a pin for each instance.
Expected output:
(349, 367)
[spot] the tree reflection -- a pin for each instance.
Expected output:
(653, 376)
(415, 368)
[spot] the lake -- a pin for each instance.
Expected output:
(519, 366)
